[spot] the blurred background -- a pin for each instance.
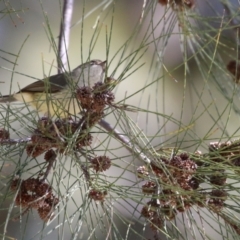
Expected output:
(26, 55)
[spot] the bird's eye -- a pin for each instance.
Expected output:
(96, 62)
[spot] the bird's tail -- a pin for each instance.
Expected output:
(7, 98)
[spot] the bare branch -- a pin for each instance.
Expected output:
(127, 143)
(14, 141)
(64, 34)
(50, 161)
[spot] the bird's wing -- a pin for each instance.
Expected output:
(50, 84)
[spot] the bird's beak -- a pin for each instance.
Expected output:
(103, 65)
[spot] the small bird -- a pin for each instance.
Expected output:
(55, 95)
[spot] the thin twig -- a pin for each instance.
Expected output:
(50, 165)
(126, 141)
(64, 34)
(86, 174)
(14, 141)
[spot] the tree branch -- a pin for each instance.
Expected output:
(64, 34)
